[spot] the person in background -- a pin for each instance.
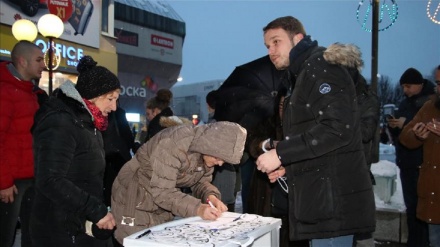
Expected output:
(225, 176)
(330, 191)
(369, 108)
(118, 145)
(19, 96)
(69, 208)
(417, 91)
(181, 156)
(157, 107)
(424, 131)
(210, 104)
(266, 198)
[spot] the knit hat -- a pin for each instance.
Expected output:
(411, 76)
(94, 81)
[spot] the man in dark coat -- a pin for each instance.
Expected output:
(330, 191)
(118, 144)
(369, 108)
(417, 91)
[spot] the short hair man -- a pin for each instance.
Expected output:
(424, 131)
(18, 104)
(417, 91)
(330, 191)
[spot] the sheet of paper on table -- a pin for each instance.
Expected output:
(231, 229)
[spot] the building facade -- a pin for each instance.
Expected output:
(138, 40)
(190, 99)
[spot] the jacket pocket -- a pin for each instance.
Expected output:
(313, 198)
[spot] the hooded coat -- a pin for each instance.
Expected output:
(171, 160)
(330, 191)
(69, 169)
(369, 105)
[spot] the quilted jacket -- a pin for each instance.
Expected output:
(69, 170)
(18, 104)
(171, 160)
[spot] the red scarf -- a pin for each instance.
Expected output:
(100, 121)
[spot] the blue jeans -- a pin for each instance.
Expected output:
(434, 235)
(333, 242)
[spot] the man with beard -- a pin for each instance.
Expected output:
(330, 192)
(424, 131)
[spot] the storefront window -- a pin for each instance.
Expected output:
(108, 16)
(104, 23)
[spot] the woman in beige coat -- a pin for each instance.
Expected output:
(147, 191)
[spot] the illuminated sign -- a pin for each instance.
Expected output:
(162, 41)
(69, 53)
(126, 37)
(133, 91)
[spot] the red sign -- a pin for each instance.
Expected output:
(162, 41)
(61, 8)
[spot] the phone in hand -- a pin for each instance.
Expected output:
(389, 116)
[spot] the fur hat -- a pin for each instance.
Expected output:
(411, 76)
(94, 81)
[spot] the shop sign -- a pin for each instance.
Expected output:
(131, 91)
(70, 54)
(126, 37)
(162, 41)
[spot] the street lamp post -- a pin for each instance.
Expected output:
(50, 26)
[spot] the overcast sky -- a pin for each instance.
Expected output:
(223, 34)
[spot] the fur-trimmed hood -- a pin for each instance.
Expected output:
(348, 55)
(171, 121)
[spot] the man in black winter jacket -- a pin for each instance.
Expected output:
(417, 91)
(330, 190)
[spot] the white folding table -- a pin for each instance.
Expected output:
(231, 229)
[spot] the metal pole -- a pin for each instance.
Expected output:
(374, 64)
(375, 45)
(50, 65)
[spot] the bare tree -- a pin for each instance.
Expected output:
(389, 93)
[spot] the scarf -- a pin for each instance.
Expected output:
(295, 54)
(100, 121)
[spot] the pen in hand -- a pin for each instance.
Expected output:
(144, 234)
(210, 203)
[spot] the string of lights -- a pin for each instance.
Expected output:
(434, 16)
(56, 59)
(388, 12)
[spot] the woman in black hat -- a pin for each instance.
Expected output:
(69, 161)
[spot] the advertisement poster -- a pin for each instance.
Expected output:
(81, 18)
